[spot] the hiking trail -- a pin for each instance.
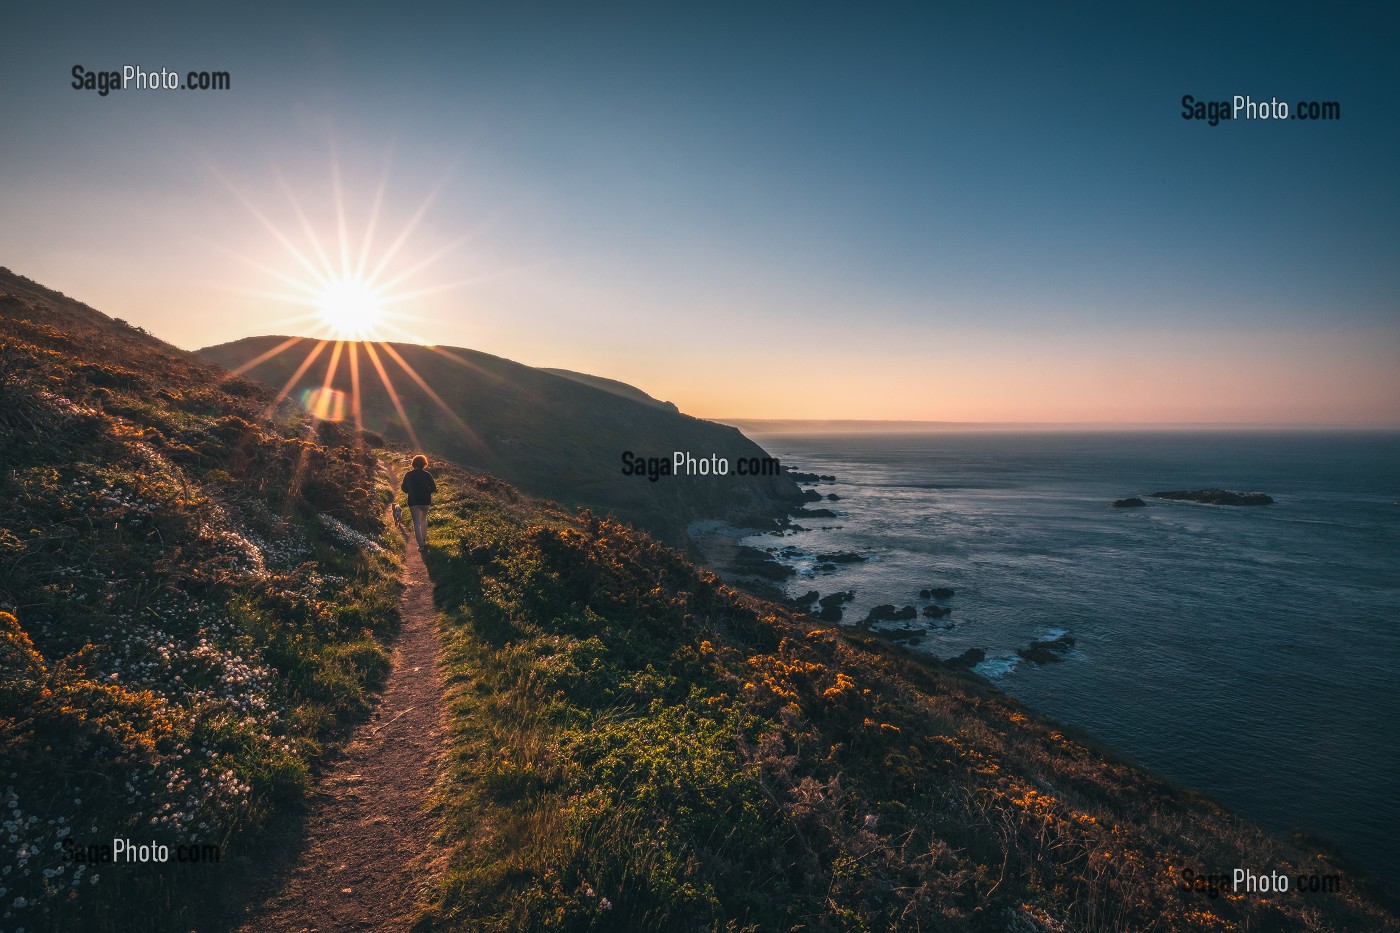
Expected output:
(369, 853)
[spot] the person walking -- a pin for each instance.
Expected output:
(420, 486)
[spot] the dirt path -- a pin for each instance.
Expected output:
(369, 855)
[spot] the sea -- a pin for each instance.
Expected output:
(1249, 652)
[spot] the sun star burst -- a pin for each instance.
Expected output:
(352, 309)
(354, 300)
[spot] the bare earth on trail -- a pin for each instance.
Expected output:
(370, 854)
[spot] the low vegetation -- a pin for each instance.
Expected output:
(639, 747)
(194, 602)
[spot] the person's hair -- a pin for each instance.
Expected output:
(420, 462)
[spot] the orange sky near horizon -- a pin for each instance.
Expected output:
(911, 371)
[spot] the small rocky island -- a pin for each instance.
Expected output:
(1049, 651)
(888, 613)
(1216, 497)
(1132, 502)
(841, 557)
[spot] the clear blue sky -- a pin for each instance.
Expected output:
(949, 212)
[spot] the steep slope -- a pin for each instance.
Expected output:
(639, 747)
(554, 436)
(194, 601)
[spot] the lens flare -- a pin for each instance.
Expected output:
(325, 404)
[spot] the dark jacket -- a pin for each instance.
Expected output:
(420, 486)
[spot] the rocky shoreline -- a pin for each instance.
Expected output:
(764, 572)
(909, 618)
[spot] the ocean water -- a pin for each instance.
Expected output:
(1252, 653)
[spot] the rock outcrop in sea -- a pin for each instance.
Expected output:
(1050, 651)
(842, 557)
(968, 659)
(1213, 496)
(831, 605)
(889, 613)
(750, 561)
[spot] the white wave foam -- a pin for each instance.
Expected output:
(994, 668)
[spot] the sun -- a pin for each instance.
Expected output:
(352, 309)
(355, 294)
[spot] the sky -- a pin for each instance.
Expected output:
(933, 211)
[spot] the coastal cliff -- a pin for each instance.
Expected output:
(554, 434)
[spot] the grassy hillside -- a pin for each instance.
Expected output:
(193, 603)
(638, 747)
(556, 436)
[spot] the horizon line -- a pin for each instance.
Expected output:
(907, 425)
